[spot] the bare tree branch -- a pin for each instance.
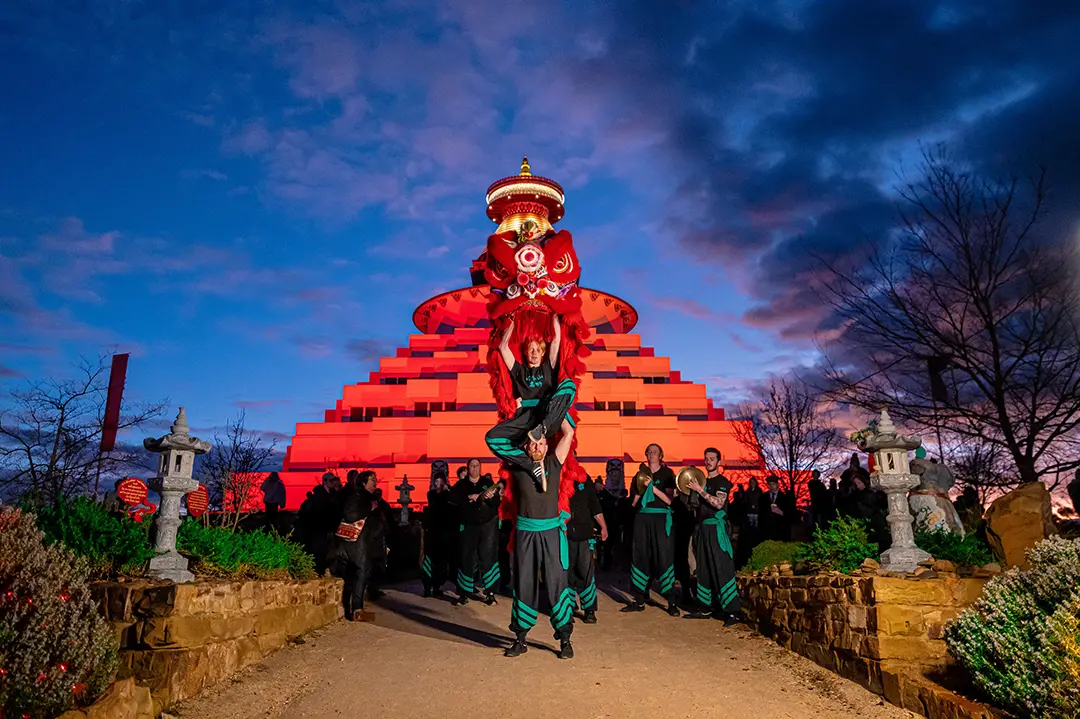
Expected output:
(232, 468)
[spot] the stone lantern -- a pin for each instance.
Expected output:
(893, 475)
(404, 499)
(173, 481)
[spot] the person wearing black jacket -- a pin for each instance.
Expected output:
(351, 552)
(477, 502)
(439, 530)
(585, 515)
(653, 547)
(776, 511)
(318, 519)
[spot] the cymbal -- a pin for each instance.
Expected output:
(642, 478)
(682, 480)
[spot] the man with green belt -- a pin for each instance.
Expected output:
(716, 590)
(540, 545)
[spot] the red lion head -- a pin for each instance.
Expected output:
(538, 274)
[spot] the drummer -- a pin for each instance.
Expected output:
(653, 549)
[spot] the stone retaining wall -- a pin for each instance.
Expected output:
(883, 632)
(178, 639)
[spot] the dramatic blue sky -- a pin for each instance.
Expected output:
(251, 197)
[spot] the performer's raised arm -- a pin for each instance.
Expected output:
(553, 351)
(504, 346)
(562, 450)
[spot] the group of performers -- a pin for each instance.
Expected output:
(554, 548)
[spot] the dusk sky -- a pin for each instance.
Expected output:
(252, 197)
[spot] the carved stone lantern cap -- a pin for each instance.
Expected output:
(888, 438)
(179, 437)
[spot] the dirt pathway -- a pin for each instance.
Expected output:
(427, 658)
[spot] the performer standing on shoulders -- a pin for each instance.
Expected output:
(653, 551)
(585, 515)
(478, 540)
(539, 412)
(716, 590)
(540, 544)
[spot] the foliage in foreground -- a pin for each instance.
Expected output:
(969, 551)
(215, 551)
(54, 644)
(1019, 640)
(841, 547)
(111, 545)
(771, 553)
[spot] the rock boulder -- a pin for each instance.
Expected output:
(1018, 521)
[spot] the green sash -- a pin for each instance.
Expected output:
(528, 524)
(721, 531)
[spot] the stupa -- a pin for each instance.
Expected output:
(432, 400)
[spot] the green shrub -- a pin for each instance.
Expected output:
(215, 551)
(842, 546)
(969, 551)
(54, 644)
(1012, 638)
(111, 545)
(771, 553)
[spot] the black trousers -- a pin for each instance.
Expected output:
(716, 589)
(478, 557)
(354, 565)
(583, 573)
(652, 557)
(535, 552)
(506, 440)
(683, 530)
(439, 559)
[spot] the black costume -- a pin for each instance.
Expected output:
(533, 386)
(439, 531)
(316, 522)
(683, 515)
(580, 531)
(353, 560)
(653, 550)
(540, 544)
(478, 538)
(713, 551)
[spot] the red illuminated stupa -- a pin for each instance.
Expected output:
(433, 399)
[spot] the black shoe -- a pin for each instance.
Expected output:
(437, 593)
(516, 649)
(633, 607)
(698, 614)
(537, 432)
(730, 620)
(672, 609)
(489, 599)
(566, 650)
(589, 618)
(427, 592)
(462, 601)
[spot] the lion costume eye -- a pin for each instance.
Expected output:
(564, 265)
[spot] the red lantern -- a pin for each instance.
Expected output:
(870, 462)
(133, 491)
(198, 501)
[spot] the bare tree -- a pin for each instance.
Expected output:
(232, 469)
(50, 434)
(970, 287)
(790, 430)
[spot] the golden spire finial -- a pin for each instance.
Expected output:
(525, 165)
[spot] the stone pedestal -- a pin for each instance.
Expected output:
(404, 499)
(903, 555)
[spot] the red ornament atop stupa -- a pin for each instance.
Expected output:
(433, 401)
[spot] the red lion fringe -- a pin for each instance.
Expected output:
(530, 324)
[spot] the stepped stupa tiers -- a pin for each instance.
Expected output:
(433, 399)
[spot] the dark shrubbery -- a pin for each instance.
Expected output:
(771, 553)
(1020, 641)
(54, 644)
(970, 551)
(111, 545)
(215, 551)
(841, 547)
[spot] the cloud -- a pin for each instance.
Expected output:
(204, 174)
(6, 371)
(261, 403)
(369, 350)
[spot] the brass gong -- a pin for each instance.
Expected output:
(642, 478)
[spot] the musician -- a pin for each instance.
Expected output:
(439, 529)
(716, 590)
(684, 511)
(540, 545)
(586, 515)
(351, 554)
(541, 406)
(653, 550)
(478, 541)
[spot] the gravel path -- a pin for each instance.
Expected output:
(428, 658)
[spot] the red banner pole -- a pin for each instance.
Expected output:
(111, 422)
